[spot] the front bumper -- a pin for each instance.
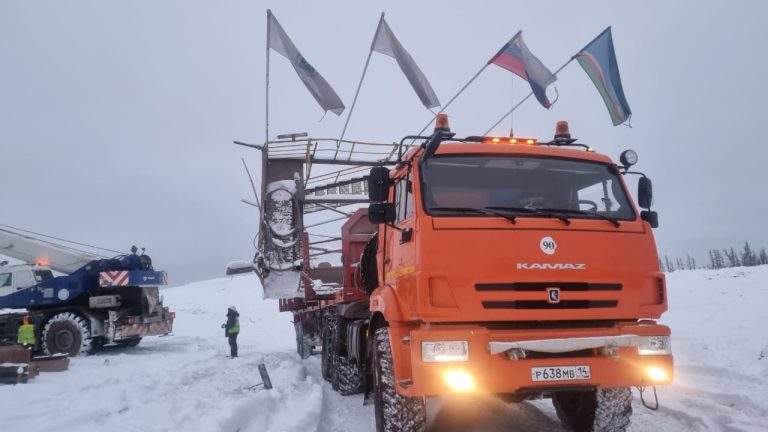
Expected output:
(501, 361)
(145, 329)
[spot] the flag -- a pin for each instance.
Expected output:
(599, 62)
(516, 58)
(385, 42)
(323, 93)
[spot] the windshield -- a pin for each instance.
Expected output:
(523, 185)
(43, 275)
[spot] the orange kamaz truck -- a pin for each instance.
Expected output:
(481, 265)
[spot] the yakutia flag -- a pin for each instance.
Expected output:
(516, 58)
(599, 62)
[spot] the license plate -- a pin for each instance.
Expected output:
(560, 373)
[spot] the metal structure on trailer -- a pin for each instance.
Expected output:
(318, 177)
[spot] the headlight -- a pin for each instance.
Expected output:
(654, 345)
(445, 351)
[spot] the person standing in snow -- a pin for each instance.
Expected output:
(26, 336)
(231, 329)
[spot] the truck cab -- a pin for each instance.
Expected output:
(18, 277)
(517, 268)
(487, 265)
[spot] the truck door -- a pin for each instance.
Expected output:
(400, 264)
(23, 279)
(6, 283)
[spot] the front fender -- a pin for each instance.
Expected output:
(385, 301)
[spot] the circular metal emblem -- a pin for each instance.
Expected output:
(63, 294)
(548, 245)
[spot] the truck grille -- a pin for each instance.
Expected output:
(542, 304)
(542, 287)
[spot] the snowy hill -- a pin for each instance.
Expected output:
(185, 382)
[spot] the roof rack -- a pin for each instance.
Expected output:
(307, 184)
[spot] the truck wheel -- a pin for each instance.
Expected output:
(394, 413)
(302, 347)
(66, 333)
(326, 357)
(346, 377)
(349, 378)
(601, 410)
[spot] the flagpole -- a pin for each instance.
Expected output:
(444, 107)
(524, 99)
(511, 104)
(359, 85)
(266, 98)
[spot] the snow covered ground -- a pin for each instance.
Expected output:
(185, 382)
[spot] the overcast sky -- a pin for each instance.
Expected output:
(116, 118)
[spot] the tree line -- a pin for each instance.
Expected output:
(718, 259)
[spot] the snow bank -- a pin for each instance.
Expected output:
(721, 381)
(183, 382)
(186, 383)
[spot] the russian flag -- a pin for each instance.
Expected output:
(516, 58)
(598, 59)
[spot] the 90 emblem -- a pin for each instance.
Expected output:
(548, 245)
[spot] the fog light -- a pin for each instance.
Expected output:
(459, 380)
(657, 374)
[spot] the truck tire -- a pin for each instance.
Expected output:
(66, 333)
(394, 413)
(600, 410)
(302, 347)
(327, 357)
(349, 377)
(346, 376)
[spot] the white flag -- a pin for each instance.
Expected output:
(385, 42)
(323, 93)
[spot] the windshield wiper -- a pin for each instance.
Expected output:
(615, 222)
(485, 211)
(531, 210)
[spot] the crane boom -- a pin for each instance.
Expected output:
(31, 250)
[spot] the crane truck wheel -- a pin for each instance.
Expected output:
(394, 413)
(600, 410)
(67, 333)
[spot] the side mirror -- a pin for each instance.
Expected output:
(644, 192)
(651, 217)
(378, 184)
(381, 213)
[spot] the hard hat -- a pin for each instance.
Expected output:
(233, 308)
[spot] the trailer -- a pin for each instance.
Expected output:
(486, 265)
(97, 301)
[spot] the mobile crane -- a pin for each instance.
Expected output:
(492, 265)
(97, 301)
